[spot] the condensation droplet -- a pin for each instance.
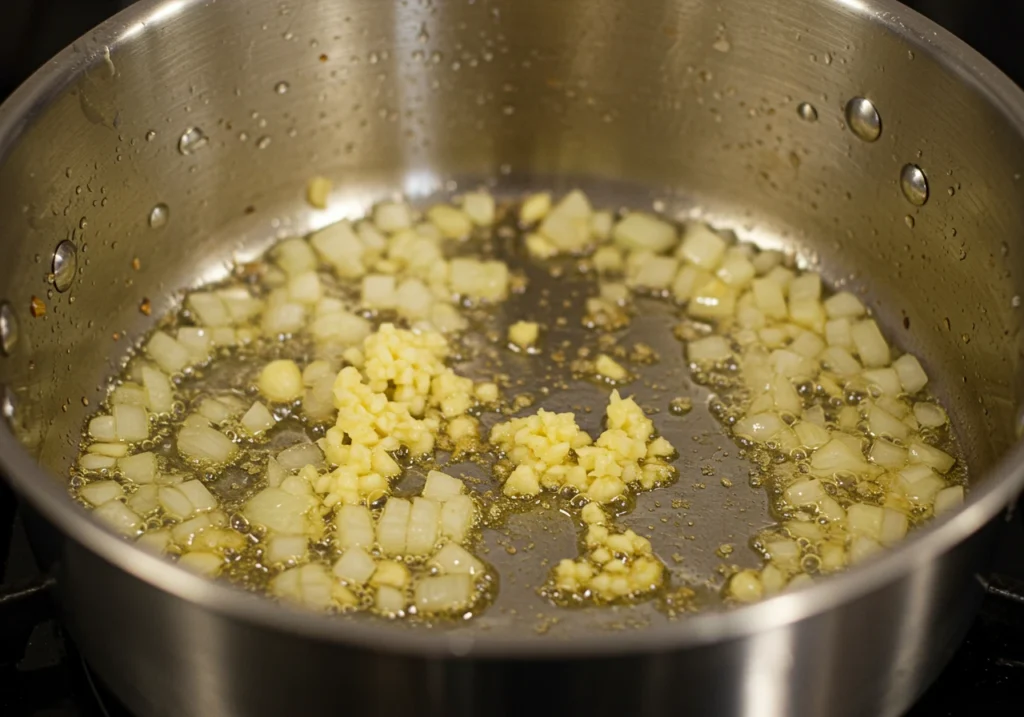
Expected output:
(263, 142)
(282, 88)
(914, 184)
(159, 215)
(909, 221)
(807, 112)
(863, 119)
(151, 135)
(191, 140)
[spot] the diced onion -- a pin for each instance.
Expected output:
(355, 566)
(746, 586)
(215, 411)
(650, 271)
(806, 287)
(883, 423)
(443, 592)
(103, 428)
(208, 308)
(457, 516)
(379, 291)
(887, 455)
(759, 427)
(837, 456)
(391, 217)
(893, 528)
(810, 434)
(785, 553)
(198, 495)
(283, 319)
(479, 206)
(390, 572)
(930, 414)
(805, 492)
(344, 327)
(422, 532)
(130, 393)
(930, 456)
(769, 298)
(113, 450)
(534, 208)
(701, 246)
(139, 468)
(452, 222)
(885, 380)
(567, 225)
(844, 305)
(305, 288)
(864, 519)
(119, 516)
(99, 492)
(203, 443)
(339, 246)
(285, 549)
(392, 528)
(168, 354)
(710, 348)
(202, 561)
(441, 486)
(280, 511)
(257, 419)
(354, 527)
(638, 231)
(948, 499)
(912, 376)
(299, 456)
(389, 600)
(863, 548)
(294, 256)
(159, 392)
(131, 422)
(155, 540)
(454, 559)
(871, 345)
(145, 500)
(837, 333)
(196, 341)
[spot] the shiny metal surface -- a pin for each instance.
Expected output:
(176, 103)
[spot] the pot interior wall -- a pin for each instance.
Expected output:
(219, 113)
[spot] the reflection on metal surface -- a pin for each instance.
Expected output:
(65, 265)
(807, 112)
(863, 119)
(8, 328)
(914, 184)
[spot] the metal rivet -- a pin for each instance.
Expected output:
(914, 184)
(8, 328)
(8, 403)
(807, 112)
(65, 264)
(863, 119)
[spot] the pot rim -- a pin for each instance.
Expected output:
(50, 497)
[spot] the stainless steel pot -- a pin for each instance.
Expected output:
(180, 134)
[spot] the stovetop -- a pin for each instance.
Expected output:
(41, 672)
